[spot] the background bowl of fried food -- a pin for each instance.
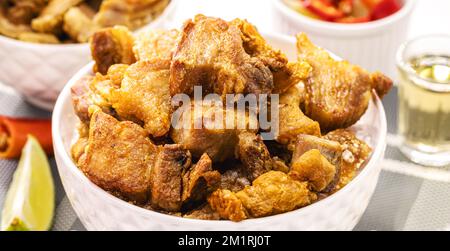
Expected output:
(370, 44)
(39, 64)
(100, 210)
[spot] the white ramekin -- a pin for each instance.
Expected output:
(371, 45)
(99, 210)
(40, 71)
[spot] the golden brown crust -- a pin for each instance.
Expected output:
(355, 153)
(200, 180)
(166, 177)
(227, 205)
(314, 168)
(111, 46)
(119, 157)
(253, 154)
(292, 121)
(275, 192)
(210, 53)
(337, 93)
(155, 44)
(144, 96)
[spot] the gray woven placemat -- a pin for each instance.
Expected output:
(407, 197)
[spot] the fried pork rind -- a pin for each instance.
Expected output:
(79, 148)
(275, 192)
(155, 44)
(97, 91)
(256, 46)
(313, 167)
(285, 74)
(111, 46)
(144, 96)
(227, 205)
(130, 13)
(78, 25)
(292, 121)
(337, 93)
(34, 37)
(253, 154)
(331, 150)
(23, 11)
(218, 143)
(355, 153)
(210, 53)
(199, 181)
(166, 177)
(291, 75)
(51, 18)
(9, 29)
(119, 157)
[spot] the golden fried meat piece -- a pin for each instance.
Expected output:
(210, 53)
(79, 148)
(285, 74)
(355, 153)
(337, 93)
(97, 91)
(9, 29)
(254, 155)
(166, 177)
(144, 96)
(119, 157)
(227, 205)
(314, 168)
(34, 37)
(331, 150)
(199, 181)
(193, 130)
(130, 13)
(155, 44)
(23, 11)
(78, 25)
(256, 46)
(82, 98)
(111, 46)
(50, 20)
(290, 75)
(275, 192)
(292, 121)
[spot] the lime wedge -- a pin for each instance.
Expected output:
(441, 73)
(30, 200)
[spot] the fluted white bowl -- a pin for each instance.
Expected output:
(99, 210)
(40, 71)
(371, 45)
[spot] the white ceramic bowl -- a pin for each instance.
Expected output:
(40, 71)
(371, 45)
(99, 210)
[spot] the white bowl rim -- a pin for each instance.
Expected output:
(30, 45)
(338, 29)
(67, 162)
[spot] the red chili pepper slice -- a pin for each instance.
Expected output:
(323, 9)
(385, 8)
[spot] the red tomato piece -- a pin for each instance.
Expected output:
(385, 8)
(323, 9)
